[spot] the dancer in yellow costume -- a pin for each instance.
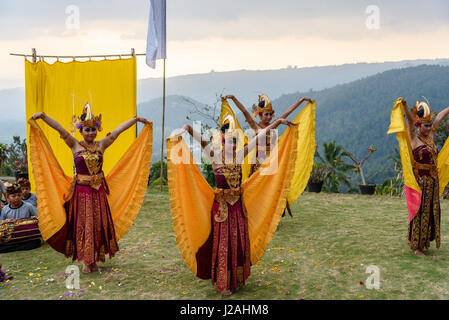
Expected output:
(222, 232)
(425, 170)
(264, 110)
(84, 217)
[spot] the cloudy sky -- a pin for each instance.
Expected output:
(205, 35)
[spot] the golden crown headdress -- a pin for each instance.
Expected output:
(263, 106)
(87, 119)
(424, 109)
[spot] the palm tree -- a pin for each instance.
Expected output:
(337, 171)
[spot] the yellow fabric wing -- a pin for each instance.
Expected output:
(397, 125)
(443, 167)
(128, 181)
(51, 182)
(412, 190)
(305, 151)
(191, 200)
(265, 192)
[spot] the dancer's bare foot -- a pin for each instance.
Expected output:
(86, 269)
(419, 253)
(226, 292)
(93, 267)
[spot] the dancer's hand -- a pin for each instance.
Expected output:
(183, 130)
(143, 120)
(229, 96)
(308, 100)
(39, 115)
(286, 122)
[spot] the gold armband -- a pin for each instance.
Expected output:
(65, 135)
(109, 135)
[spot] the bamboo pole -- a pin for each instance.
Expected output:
(163, 125)
(133, 54)
(34, 56)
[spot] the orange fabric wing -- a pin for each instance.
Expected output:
(191, 200)
(128, 181)
(51, 183)
(265, 192)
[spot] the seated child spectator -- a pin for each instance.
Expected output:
(27, 196)
(16, 208)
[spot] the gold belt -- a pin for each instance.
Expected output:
(422, 166)
(94, 180)
(223, 197)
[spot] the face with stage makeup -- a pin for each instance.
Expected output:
(266, 117)
(425, 129)
(89, 133)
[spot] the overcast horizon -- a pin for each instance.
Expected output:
(215, 35)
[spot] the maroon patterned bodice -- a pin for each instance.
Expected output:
(85, 160)
(228, 176)
(424, 155)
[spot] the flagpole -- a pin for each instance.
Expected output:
(163, 125)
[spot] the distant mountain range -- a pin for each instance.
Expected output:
(354, 101)
(246, 85)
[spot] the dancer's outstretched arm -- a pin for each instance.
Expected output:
(245, 112)
(110, 138)
(65, 135)
(294, 106)
(411, 117)
(198, 137)
(253, 142)
(278, 122)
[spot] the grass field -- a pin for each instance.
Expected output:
(320, 253)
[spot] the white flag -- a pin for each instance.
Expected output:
(156, 38)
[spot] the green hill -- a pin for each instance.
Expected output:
(357, 115)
